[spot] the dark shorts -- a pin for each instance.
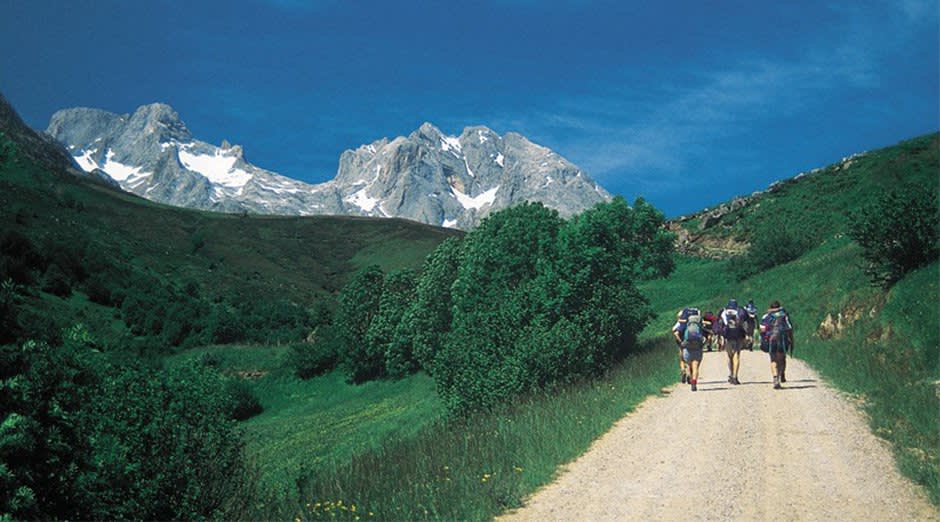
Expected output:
(691, 355)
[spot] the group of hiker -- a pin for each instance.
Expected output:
(731, 331)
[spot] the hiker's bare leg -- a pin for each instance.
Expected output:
(735, 363)
(693, 367)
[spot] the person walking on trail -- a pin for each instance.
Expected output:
(776, 333)
(751, 324)
(710, 322)
(732, 321)
(689, 333)
(677, 330)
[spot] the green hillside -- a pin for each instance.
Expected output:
(814, 205)
(879, 344)
(67, 239)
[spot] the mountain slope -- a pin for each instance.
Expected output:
(429, 177)
(83, 235)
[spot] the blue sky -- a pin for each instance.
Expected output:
(683, 103)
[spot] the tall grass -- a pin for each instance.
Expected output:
(475, 468)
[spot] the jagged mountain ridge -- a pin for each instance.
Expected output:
(426, 176)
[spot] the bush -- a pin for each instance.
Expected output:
(166, 445)
(56, 282)
(770, 246)
(47, 458)
(899, 233)
(317, 358)
(243, 404)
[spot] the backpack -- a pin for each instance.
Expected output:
(693, 338)
(777, 331)
(734, 329)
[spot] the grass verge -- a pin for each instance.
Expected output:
(475, 469)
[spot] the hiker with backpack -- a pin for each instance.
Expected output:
(751, 324)
(710, 324)
(732, 321)
(689, 333)
(776, 333)
(683, 368)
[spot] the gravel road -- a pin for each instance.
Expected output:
(745, 452)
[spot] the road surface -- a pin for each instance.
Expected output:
(745, 452)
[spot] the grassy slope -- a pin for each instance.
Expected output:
(317, 422)
(816, 204)
(889, 358)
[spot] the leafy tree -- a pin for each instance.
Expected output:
(428, 319)
(492, 306)
(538, 301)
(383, 335)
(358, 305)
(899, 232)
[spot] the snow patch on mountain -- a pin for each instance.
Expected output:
(478, 201)
(218, 167)
(120, 172)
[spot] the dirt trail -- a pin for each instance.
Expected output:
(751, 453)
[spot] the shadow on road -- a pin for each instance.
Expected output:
(713, 389)
(785, 387)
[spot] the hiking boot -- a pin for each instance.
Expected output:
(694, 387)
(736, 381)
(776, 383)
(783, 377)
(730, 380)
(684, 378)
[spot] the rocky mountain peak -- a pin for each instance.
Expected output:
(427, 176)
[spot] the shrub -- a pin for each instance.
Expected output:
(316, 358)
(166, 446)
(45, 471)
(243, 404)
(898, 233)
(56, 282)
(770, 246)
(383, 334)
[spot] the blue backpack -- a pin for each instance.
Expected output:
(693, 338)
